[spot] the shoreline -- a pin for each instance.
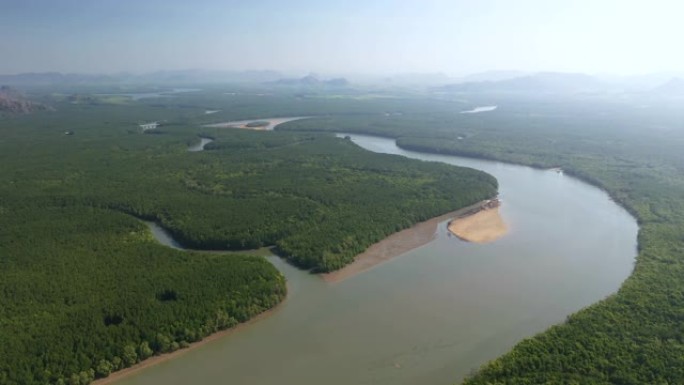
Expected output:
(573, 173)
(397, 244)
(158, 359)
(164, 357)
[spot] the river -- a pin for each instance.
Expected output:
(436, 313)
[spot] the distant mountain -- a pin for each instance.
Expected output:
(642, 82)
(492, 76)
(159, 77)
(204, 76)
(52, 78)
(338, 82)
(13, 102)
(311, 81)
(543, 82)
(426, 79)
(673, 87)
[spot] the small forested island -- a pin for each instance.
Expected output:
(86, 290)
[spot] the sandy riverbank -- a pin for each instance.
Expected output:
(154, 360)
(394, 246)
(482, 227)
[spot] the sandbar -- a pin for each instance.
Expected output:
(395, 245)
(244, 124)
(481, 227)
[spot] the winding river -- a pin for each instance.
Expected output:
(440, 311)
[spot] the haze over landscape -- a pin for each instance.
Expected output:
(341, 192)
(454, 37)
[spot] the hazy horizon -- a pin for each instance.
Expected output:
(372, 37)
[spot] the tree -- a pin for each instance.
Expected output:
(144, 350)
(104, 368)
(130, 357)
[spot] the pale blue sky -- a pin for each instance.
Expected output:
(353, 36)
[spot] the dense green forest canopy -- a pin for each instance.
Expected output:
(85, 288)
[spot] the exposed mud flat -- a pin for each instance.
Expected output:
(270, 123)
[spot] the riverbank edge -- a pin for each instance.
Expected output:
(164, 357)
(569, 171)
(161, 358)
(376, 254)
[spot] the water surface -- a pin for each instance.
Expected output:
(477, 110)
(163, 236)
(434, 314)
(200, 146)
